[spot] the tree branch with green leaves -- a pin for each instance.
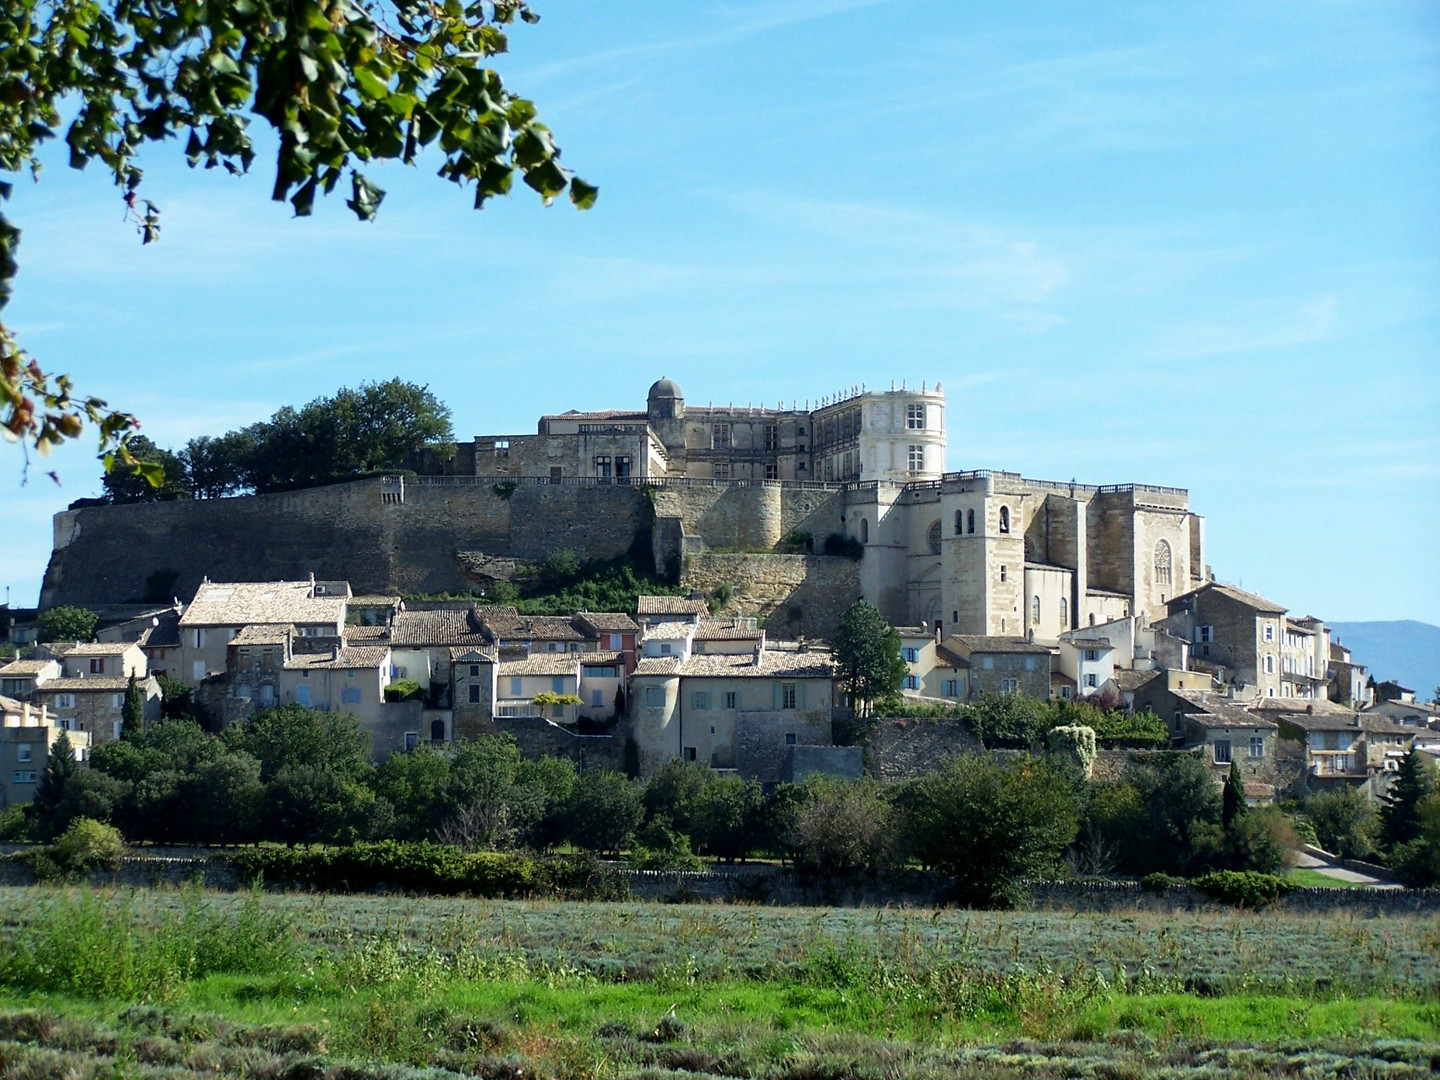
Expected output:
(342, 82)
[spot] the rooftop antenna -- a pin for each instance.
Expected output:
(892, 386)
(922, 386)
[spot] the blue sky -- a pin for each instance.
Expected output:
(1184, 244)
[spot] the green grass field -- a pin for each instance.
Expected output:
(180, 983)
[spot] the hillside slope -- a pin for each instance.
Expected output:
(1406, 651)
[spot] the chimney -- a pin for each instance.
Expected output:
(759, 651)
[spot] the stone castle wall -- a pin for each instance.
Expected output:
(104, 554)
(790, 594)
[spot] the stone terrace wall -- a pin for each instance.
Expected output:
(791, 594)
(901, 749)
(538, 737)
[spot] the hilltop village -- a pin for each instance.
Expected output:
(773, 522)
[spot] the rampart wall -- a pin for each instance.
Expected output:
(105, 554)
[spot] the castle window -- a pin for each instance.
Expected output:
(933, 538)
(1035, 610)
(917, 458)
(1162, 563)
(864, 531)
(970, 522)
(721, 436)
(1004, 519)
(914, 416)
(772, 471)
(772, 436)
(722, 470)
(622, 467)
(959, 522)
(1064, 613)
(1003, 572)
(602, 466)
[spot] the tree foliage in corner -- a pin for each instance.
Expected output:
(343, 82)
(867, 650)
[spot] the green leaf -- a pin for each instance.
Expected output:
(152, 472)
(372, 87)
(366, 197)
(583, 195)
(304, 199)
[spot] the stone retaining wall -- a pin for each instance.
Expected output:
(790, 594)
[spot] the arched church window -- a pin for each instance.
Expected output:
(1004, 519)
(1162, 563)
(959, 522)
(970, 522)
(934, 538)
(1035, 610)
(1064, 613)
(864, 531)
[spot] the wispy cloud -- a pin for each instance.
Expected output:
(1255, 330)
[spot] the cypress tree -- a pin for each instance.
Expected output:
(1232, 804)
(1401, 815)
(132, 712)
(59, 768)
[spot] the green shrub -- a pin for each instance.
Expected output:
(1162, 883)
(84, 846)
(845, 547)
(1242, 888)
(13, 826)
(402, 690)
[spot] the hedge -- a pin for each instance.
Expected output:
(430, 868)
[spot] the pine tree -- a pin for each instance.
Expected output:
(1233, 801)
(132, 713)
(1401, 815)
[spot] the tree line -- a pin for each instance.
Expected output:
(300, 776)
(352, 433)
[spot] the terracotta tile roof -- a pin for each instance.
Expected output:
(242, 603)
(1209, 710)
(92, 685)
(21, 668)
(670, 605)
(373, 600)
(535, 628)
(948, 658)
(10, 706)
(967, 645)
(724, 630)
(442, 626)
(774, 663)
(1059, 678)
(91, 648)
(482, 654)
(263, 635)
(1128, 681)
(351, 657)
(656, 665)
(670, 631)
(1240, 596)
(609, 622)
(366, 633)
(542, 664)
(1303, 706)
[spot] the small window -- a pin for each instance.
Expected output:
(1269, 663)
(24, 776)
(1092, 680)
(864, 531)
(1009, 686)
(702, 699)
(721, 470)
(772, 471)
(474, 694)
(412, 740)
(1269, 632)
(664, 648)
(22, 752)
(474, 670)
(787, 695)
(912, 682)
(1004, 519)
(515, 687)
(1091, 655)
(772, 437)
(917, 458)
(1257, 746)
(1205, 633)
(911, 655)
(721, 436)
(1222, 751)
(654, 697)
(970, 522)
(914, 416)
(557, 684)
(97, 665)
(731, 699)
(789, 738)
(950, 688)
(959, 522)
(1035, 610)
(1004, 572)
(954, 616)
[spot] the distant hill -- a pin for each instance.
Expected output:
(1406, 651)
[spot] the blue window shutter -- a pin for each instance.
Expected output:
(557, 685)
